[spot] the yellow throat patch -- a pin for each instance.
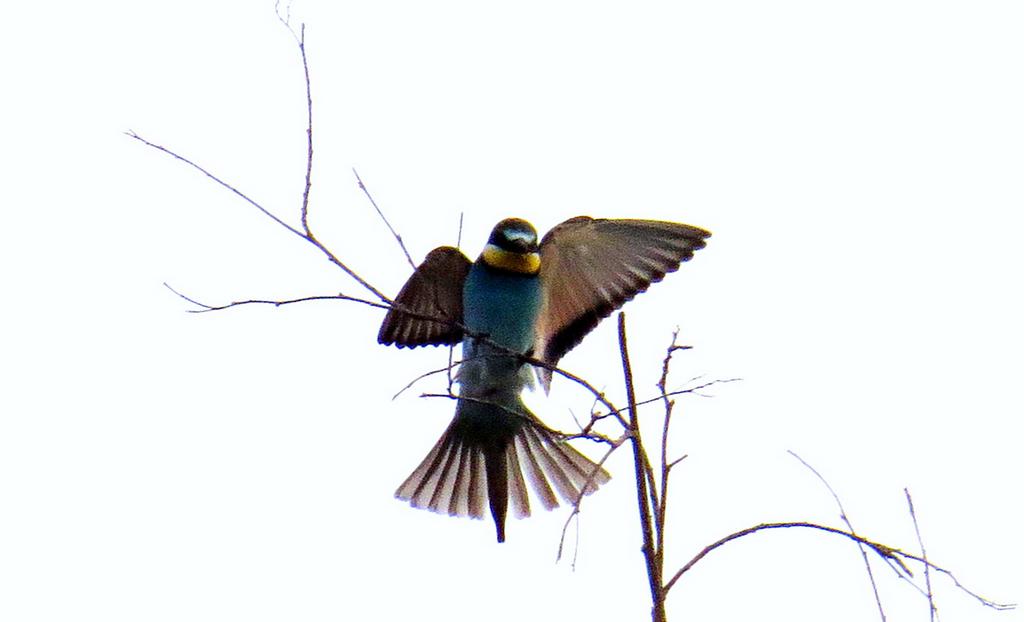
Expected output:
(523, 263)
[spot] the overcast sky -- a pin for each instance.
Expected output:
(859, 163)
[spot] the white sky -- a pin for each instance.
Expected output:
(860, 165)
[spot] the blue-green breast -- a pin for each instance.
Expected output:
(503, 305)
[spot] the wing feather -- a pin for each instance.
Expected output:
(591, 267)
(433, 291)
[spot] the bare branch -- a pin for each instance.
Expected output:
(306, 233)
(277, 303)
(300, 41)
(220, 181)
(886, 552)
(597, 437)
(451, 365)
(692, 390)
(305, 236)
(845, 519)
(932, 610)
(398, 238)
(648, 469)
(882, 550)
(677, 461)
(309, 133)
(598, 395)
(666, 467)
(644, 477)
(430, 373)
(285, 19)
(503, 351)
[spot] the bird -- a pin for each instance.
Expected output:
(522, 298)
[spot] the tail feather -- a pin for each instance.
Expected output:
(486, 451)
(428, 485)
(555, 468)
(569, 470)
(535, 473)
(445, 487)
(495, 459)
(467, 493)
(517, 487)
(579, 469)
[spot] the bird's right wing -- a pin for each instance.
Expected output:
(590, 267)
(428, 310)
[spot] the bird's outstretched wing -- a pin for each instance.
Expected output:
(590, 267)
(433, 291)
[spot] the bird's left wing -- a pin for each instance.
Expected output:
(590, 267)
(433, 291)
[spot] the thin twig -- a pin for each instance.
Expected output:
(579, 499)
(597, 437)
(677, 461)
(932, 610)
(451, 365)
(306, 233)
(451, 350)
(277, 303)
(846, 519)
(501, 350)
(428, 374)
(598, 395)
(286, 19)
(221, 182)
(300, 41)
(880, 549)
(309, 238)
(395, 234)
(666, 466)
(309, 134)
(886, 552)
(652, 485)
(692, 390)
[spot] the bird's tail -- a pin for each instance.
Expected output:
(491, 452)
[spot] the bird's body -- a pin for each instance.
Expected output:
(520, 299)
(502, 305)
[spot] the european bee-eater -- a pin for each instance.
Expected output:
(520, 298)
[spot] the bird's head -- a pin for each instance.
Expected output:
(513, 247)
